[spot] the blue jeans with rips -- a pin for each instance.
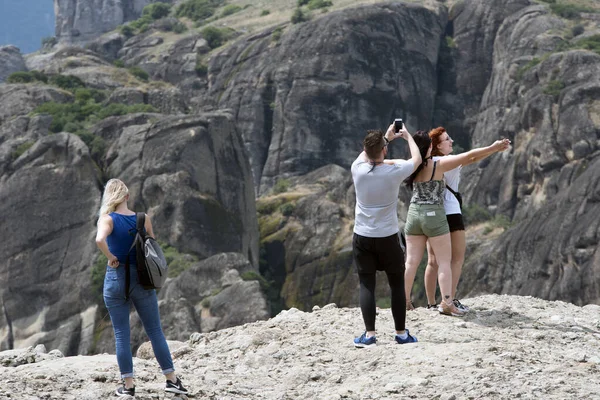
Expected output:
(146, 305)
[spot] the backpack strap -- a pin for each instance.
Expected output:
(433, 173)
(456, 194)
(140, 231)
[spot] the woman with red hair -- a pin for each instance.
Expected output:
(441, 144)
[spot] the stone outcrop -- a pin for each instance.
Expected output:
(45, 272)
(306, 99)
(79, 21)
(549, 350)
(11, 61)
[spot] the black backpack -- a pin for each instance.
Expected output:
(152, 266)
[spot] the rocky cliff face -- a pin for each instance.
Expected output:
(11, 61)
(79, 21)
(546, 100)
(190, 172)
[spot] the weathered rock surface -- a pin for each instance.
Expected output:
(11, 61)
(79, 21)
(547, 186)
(306, 100)
(45, 272)
(548, 350)
(21, 99)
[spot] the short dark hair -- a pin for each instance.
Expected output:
(374, 143)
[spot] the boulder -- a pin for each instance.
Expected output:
(11, 61)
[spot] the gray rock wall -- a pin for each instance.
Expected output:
(79, 21)
(11, 61)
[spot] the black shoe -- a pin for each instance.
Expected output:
(175, 387)
(432, 307)
(123, 392)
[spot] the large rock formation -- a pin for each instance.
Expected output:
(547, 102)
(11, 61)
(79, 21)
(306, 100)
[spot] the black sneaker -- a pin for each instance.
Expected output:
(432, 307)
(123, 392)
(176, 387)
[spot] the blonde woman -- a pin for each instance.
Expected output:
(116, 231)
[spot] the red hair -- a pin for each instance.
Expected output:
(436, 138)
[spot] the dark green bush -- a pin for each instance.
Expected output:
(141, 24)
(119, 63)
(302, 2)
(215, 37)
(197, 10)
(139, 73)
(475, 213)
(201, 69)
(264, 12)
(157, 10)
(298, 16)
(590, 43)
(49, 41)
(179, 28)
(67, 82)
(276, 35)
(287, 209)
(568, 10)
(577, 30)
(316, 4)
(230, 9)
(97, 278)
(127, 31)
(27, 77)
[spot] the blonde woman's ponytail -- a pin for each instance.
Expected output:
(115, 192)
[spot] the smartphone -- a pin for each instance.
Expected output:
(397, 124)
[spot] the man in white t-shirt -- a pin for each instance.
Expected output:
(376, 244)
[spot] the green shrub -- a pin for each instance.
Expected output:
(157, 10)
(67, 82)
(298, 16)
(201, 69)
(127, 31)
(276, 35)
(230, 9)
(115, 109)
(139, 73)
(553, 88)
(281, 186)
(302, 2)
(264, 12)
(316, 4)
(475, 213)
(49, 41)
(141, 24)
(521, 72)
(27, 77)
(205, 302)
(178, 262)
(287, 209)
(255, 276)
(568, 10)
(215, 37)
(179, 28)
(197, 10)
(450, 42)
(590, 43)
(22, 148)
(501, 221)
(119, 63)
(577, 30)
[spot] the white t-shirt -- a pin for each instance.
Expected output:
(452, 179)
(375, 214)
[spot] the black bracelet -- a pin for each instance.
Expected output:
(386, 140)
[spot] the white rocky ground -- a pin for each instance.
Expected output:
(508, 347)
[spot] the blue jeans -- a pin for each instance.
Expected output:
(146, 305)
